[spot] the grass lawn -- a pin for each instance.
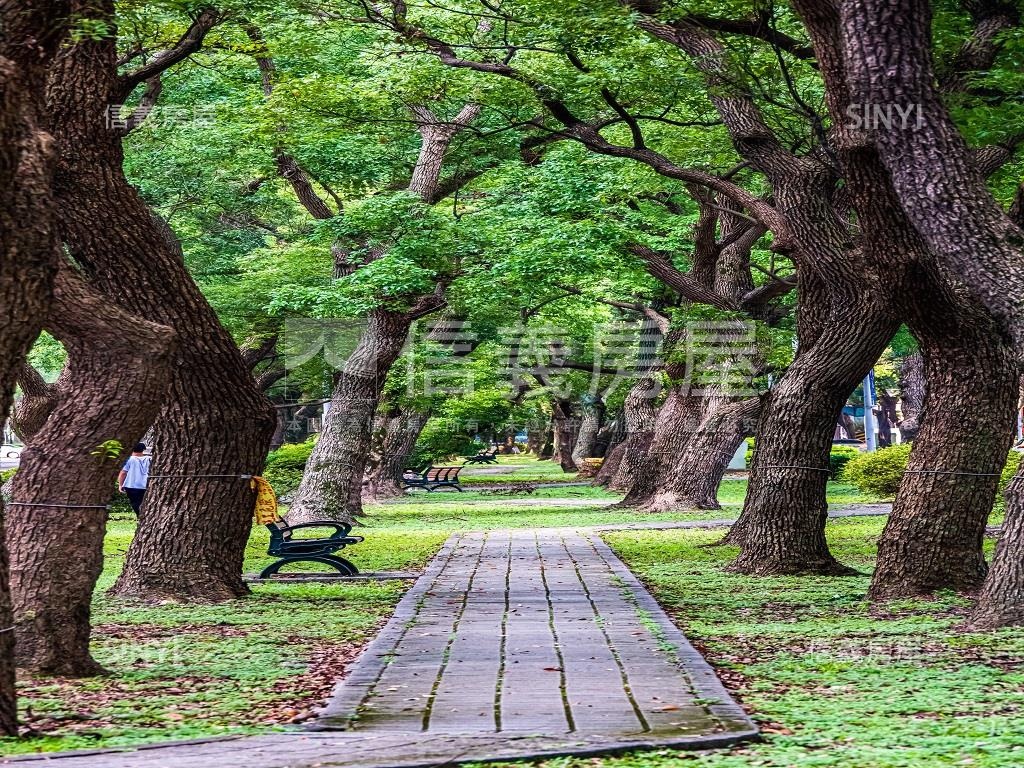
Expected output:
(195, 671)
(264, 661)
(517, 468)
(831, 682)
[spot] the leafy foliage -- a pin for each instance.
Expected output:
(878, 472)
(285, 465)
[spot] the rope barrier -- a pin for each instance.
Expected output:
(795, 466)
(61, 506)
(950, 472)
(237, 477)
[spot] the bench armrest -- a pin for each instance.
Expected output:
(340, 529)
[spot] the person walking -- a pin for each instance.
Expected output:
(132, 479)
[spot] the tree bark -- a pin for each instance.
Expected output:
(403, 430)
(117, 374)
(547, 445)
(608, 436)
(610, 465)
(676, 421)
(565, 434)
(933, 538)
(1001, 600)
(331, 487)
(38, 399)
(30, 35)
(640, 416)
(912, 387)
(782, 527)
(591, 420)
(701, 465)
(886, 45)
(535, 440)
(885, 414)
(215, 421)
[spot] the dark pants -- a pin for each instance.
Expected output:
(135, 496)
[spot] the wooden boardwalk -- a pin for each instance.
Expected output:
(512, 644)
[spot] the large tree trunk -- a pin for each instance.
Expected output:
(701, 465)
(938, 182)
(590, 424)
(331, 487)
(782, 527)
(565, 434)
(933, 538)
(676, 421)
(215, 421)
(610, 465)
(116, 377)
(30, 33)
(535, 439)
(403, 430)
(640, 416)
(38, 399)
(912, 384)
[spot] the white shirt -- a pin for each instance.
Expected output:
(137, 468)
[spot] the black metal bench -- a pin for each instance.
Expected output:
(484, 457)
(432, 478)
(292, 549)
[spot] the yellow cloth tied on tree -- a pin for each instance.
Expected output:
(266, 502)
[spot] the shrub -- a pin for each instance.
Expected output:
(839, 457)
(286, 464)
(438, 442)
(878, 473)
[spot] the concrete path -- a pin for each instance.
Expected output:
(512, 644)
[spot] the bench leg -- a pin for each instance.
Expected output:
(340, 564)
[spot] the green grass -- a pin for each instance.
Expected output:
(517, 468)
(548, 507)
(207, 670)
(831, 682)
(254, 664)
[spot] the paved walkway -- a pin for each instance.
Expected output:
(512, 644)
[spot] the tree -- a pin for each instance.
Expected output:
(215, 421)
(332, 484)
(111, 390)
(933, 537)
(30, 34)
(957, 217)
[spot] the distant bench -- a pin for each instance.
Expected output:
(484, 457)
(432, 478)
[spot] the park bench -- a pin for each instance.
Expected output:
(484, 457)
(433, 478)
(293, 549)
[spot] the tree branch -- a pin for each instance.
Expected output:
(189, 43)
(661, 268)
